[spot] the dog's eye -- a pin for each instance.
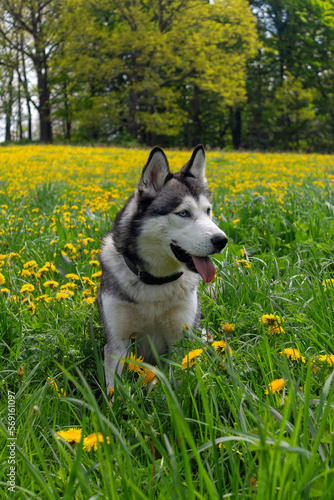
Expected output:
(183, 213)
(208, 211)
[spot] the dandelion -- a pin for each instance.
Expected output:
(64, 295)
(2, 279)
(85, 241)
(132, 367)
(70, 247)
(328, 283)
(54, 386)
(236, 221)
(243, 263)
(69, 285)
(12, 255)
(275, 386)
(51, 284)
(30, 264)
(31, 308)
(88, 281)
(71, 435)
(228, 328)
(27, 288)
(94, 263)
(97, 275)
(189, 360)
(72, 276)
(220, 346)
(92, 440)
(89, 300)
(111, 392)
(25, 273)
(5, 290)
(47, 299)
(326, 358)
(272, 323)
(150, 376)
(293, 354)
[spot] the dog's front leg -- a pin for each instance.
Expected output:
(113, 354)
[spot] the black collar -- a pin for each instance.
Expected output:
(148, 278)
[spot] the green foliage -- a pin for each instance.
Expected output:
(136, 65)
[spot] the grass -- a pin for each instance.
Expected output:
(251, 420)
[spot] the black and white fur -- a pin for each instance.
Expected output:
(164, 232)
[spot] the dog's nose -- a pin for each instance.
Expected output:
(219, 242)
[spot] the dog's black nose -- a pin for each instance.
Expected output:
(219, 242)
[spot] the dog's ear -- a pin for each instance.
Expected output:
(196, 165)
(154, 173)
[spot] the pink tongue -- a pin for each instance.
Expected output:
(205, 268)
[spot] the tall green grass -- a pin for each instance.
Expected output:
(213, 430)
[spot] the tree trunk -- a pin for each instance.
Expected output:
(44, 109)
(196, 118)
(236, 127)
(26, 90)
(9, 106)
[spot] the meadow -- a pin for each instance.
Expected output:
(242, 409)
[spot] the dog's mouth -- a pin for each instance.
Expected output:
(201, 265)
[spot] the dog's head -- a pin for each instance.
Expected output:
(176, 226)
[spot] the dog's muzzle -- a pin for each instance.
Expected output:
(201, 265)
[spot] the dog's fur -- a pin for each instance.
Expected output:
(153, 257)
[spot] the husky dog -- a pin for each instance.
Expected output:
(153, 258)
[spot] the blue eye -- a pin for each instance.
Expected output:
(183, 213)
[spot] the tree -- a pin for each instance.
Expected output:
(148, 66)
(35, 23)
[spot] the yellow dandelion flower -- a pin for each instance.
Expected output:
(228, 328)
(72, 276)
(30, 264)
(94, 263)
(64, 295)
(27, 288)
(2, 279)
(133, 367)
(88, 281)
(189, 360)
(51, 284)
(97, 275)
(5, 290)
(328, 283)
(326, 358)
(55, 387)
(111, 391)
(243, 263)
(150, 376)
(275, 386)
(89, 300)
(12, 255)
(31, 308)
(220, 346)
(69, 285)
(85, 241)
(92, 440)
(272, 323)
(70, 247)
(293, 354)
(25, 273)
(53, 242)
(236, 221)
(71, 435)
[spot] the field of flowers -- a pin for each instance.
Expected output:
(244, 409)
